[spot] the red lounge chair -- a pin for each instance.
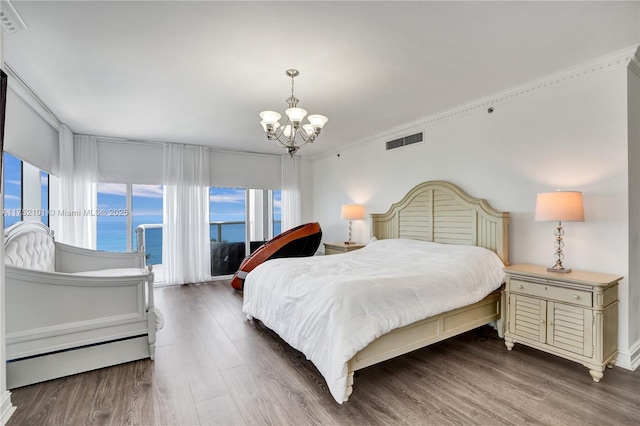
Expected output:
(301, 241)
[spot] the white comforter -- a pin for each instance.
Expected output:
(330, 307)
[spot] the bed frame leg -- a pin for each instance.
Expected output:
(351, 366)
(349, 389)
(351, 371)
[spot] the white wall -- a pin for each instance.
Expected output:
(567, 134)
(633, 122)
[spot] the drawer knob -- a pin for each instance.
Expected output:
(575, 296)
(542, 321)
(520, 286)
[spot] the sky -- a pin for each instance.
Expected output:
(12, 170)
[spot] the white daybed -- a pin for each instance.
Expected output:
(342, 311)
(70, 310)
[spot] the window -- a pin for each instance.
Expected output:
(227, 229)
(12, 189)
(112, 220)
(236, 213)
(146, 208)
(227, 214)
(26, 192)
(276, 211)
(123, 208)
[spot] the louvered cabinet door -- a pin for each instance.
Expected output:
(527, 317)
(570, 328)
(572, 315)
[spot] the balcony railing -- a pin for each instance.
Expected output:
(149, 237)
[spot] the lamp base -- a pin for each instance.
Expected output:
(559, 270)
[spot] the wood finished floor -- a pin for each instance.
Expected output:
(213, 367)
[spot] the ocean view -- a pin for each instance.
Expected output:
(112, 234)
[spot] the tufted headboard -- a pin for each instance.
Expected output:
(29, 245)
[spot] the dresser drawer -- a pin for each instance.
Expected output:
(576, 297)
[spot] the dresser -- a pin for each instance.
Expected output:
(336, 248)
(572, 315)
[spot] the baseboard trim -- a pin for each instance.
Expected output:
(6, 407)
(629, 359)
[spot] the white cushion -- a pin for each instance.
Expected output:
(114, 272)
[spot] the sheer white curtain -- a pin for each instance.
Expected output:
(291, 211)
(78, 189)
(66, 227)
(186, 254)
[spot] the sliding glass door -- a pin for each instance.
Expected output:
(241, 221)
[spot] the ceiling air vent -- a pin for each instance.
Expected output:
(407, 140)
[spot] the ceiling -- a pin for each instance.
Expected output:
(200, 72)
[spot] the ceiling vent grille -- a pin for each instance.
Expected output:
(407, 140)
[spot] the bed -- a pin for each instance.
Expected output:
(432, 271)
(70, 309)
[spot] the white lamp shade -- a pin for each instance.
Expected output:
(264, 125)
(270, 117)
(287, 131)
(318, 121)
(308, 129)
(296, 115)
(559, 206)
(352, 211)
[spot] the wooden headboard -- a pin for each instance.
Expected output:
(441, 212)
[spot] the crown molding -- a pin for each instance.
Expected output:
(28, 95)
(634, 64)
(11, 20)
(625, 57)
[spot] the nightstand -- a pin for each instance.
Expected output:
(573, 315)
(337, 248)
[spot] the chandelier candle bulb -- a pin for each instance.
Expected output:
(296, 115)
(286, 134)
(270, 117)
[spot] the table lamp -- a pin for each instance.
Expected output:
(559, 206)
(352, 212)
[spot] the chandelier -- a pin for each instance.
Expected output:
(287, 133)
